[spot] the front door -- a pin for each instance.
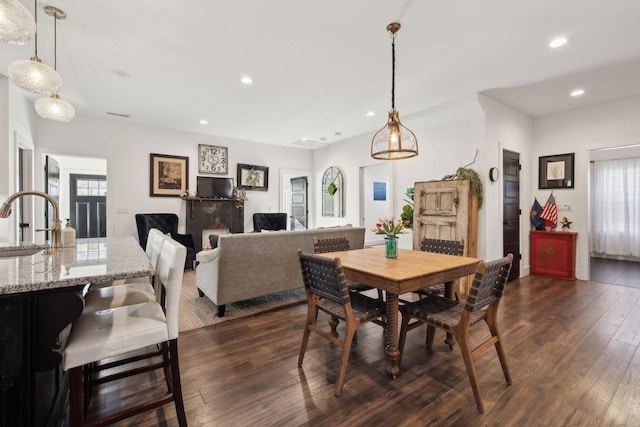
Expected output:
(88, 205)
(511, 209)
(299, 209)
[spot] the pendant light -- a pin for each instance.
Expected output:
(394, 141)
(17, 25)
(32, 74)
(54, 108)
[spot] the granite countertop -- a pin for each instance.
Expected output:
(91, 260)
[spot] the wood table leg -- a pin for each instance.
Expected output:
(391, 335)
(449, 292)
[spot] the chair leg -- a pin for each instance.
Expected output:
(166, 366)
(346, 350)
(404, 328)
(462, 337)
(76, 398)
(176, 385)
(312, 313)
(493, 327)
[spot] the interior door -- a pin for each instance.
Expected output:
(88, 205)
(299, 208)
(52, 184)
(511, 209)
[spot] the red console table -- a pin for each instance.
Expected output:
(553, 254)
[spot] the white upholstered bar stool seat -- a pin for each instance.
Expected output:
(120, 330)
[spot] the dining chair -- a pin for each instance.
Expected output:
(326, 290)
(439, 246)
(121, 330)
(481, 303)
(336, 244)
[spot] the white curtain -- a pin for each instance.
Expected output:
(616, 207)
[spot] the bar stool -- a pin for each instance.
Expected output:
(132, 291)
(120, 330)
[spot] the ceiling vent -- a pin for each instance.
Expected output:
(118, 114)
(307, 143)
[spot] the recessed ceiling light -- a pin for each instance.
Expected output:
(558, 41)
(204, 122)
(246, 80)
(338, 133)
(370, 114)
(577, 92)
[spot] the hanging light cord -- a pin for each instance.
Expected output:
(393, 71)
(35, 16)
(55, 40)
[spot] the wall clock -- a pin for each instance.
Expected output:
(494, 174)
(212, 159)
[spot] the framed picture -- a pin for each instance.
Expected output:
(252, 177)
(556, 171)
(212, 159)
(169, 175)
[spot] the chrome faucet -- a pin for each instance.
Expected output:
(56, 229)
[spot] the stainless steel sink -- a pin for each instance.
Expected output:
(19, 252)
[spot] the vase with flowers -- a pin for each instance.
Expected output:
(391, 227)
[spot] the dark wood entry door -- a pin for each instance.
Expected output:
(52, 184)
(511, 209)
(88, 205)
(299, 210)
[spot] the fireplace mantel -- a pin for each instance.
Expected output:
(212, 214)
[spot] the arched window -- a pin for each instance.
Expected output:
(332, 192)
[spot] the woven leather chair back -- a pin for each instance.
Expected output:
(324, 278)
(446, 247)
(488, 283)
(334, 244)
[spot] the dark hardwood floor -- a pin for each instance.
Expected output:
(572, 349)
(617, 272)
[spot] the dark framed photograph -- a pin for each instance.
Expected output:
(169, 175)
(212, 159)
(556, 171)
(252, 177)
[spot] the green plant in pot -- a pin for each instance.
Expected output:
(407, 210)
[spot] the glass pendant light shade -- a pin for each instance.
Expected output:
(34, 76)
(54, 108)
(17, 24)
(394, 141)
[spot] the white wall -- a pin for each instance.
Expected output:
(126, 148)
(506, 129)
(579, 131)
(16, 126)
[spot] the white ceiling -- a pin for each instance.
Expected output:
(319, 66)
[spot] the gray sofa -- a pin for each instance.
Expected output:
(251, 265)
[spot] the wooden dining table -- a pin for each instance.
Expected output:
(410, 271)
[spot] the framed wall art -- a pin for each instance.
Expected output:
(212, 159)
(252, 177)
(556, 171)
(169, 175)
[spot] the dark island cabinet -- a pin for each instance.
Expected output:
(34, 326)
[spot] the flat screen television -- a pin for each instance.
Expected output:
(211, 187)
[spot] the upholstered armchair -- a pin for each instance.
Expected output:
(167, 223)
(269, 221)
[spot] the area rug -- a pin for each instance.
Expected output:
(198, 312)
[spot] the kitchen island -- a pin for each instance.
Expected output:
(40, 296)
